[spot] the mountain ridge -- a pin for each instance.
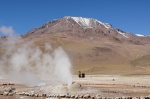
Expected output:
(85, 27)
(92, 47)
(107, 25)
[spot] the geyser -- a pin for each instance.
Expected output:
(28, 64)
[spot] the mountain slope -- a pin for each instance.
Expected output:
(94, 47)
(99, 55)
(141, 61)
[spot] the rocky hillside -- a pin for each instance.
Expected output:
(87, 28)
(94, 47)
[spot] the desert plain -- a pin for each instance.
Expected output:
(92, 86)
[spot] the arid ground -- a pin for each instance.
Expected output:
(93, 85)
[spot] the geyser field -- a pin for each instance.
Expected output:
(30, 72)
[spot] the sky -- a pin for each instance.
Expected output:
(20, 16)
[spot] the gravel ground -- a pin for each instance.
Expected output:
(93, 85)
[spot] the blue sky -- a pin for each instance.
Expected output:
(22, 15)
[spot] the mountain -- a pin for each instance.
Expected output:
(94, 47)
(87, 28)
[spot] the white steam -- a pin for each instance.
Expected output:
(7, 30)
(28, 64)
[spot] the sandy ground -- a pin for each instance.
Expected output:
(114, 85)
(102, 85)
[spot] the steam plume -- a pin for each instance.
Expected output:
(7, 30)
(28, 64)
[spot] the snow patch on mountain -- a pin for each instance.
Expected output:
(83, 21)
(139, 35)
(88, 22)
(124, 34)
(106, 25)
